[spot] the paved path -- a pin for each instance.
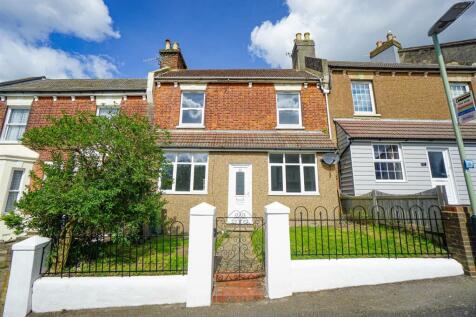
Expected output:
(440, 297)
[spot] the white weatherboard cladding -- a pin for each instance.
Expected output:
(287, 87)
(193, 87)
(19, 101)
(108, 100)
(416, 168)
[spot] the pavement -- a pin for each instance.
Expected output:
(447, 297)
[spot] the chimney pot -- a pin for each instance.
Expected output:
(379, 43)
(307, 36)
(298, 36)
(175, 46)
(390, 36)
(167, 44)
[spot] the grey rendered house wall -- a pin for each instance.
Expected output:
(416, 169)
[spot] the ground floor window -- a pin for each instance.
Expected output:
(13, 190)
(292, 173)
(186, 172)
(387, 162)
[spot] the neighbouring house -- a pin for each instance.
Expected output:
(393, 129)
(243, 138)
(455, 53)
(28, 103)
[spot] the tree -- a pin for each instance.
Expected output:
(103, 176)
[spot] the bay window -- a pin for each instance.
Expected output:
(186, 173)
(293, 173)
(13, 190)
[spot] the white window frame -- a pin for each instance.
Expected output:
(289, 126)
(192, 174)
(20, 191)
(192, 125)
(401, 161)
(466, 84)
(301, 171)
(6, 124)
(372, 98)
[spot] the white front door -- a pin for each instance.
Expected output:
(441, 172)
(240, 192)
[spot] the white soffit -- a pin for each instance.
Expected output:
(19, 100)
(287, 87)
(108, 100)
(198, 87)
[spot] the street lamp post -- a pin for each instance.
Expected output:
(446, 20)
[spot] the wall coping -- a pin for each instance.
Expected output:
(31, 244)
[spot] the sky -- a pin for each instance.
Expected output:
(121, 38)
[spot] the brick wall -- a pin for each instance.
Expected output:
(3, 114)
(460, 238)
(236, 106)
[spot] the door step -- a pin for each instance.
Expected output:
(238, 291)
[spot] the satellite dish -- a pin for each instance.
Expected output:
(330, 158)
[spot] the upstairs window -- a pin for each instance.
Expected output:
(293, 173)
(186, 173)
(289, 109)
(192, 109)
(15, 124)
(362, 95)
(13, 190)
(388, 162)
(107, 111)
(458, 89)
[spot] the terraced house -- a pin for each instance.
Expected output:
(392, 122)
(240, 138)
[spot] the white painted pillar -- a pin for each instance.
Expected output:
(277, 251)
(201, 254)
(25, 269)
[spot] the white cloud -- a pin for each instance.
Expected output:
(25, 27)
(348, 30)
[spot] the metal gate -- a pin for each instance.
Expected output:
(239, 248)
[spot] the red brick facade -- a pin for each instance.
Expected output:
(3, 114)
(236, 106)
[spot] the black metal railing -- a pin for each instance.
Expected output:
(119, 254)
(360, 232)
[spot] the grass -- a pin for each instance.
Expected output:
(156, 256)
(359, 241)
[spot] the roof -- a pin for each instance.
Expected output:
(257, 74)
(20, 80)
(404, 129)
(75, 85)
(397, 66)
(250, 140)
(443, 45)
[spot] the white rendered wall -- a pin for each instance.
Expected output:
(55, 293)
(316, 275)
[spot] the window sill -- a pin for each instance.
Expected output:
(9, 142)
(190, 126)
(290, 127)
(375, 115)
(294, 194)
(390, 181)
(166, 192)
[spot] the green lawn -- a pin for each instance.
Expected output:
(156, 256)
(359, 241)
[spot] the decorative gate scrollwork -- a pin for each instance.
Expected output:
(239, 247)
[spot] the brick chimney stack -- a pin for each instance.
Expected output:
(171, 56)
(302, 48)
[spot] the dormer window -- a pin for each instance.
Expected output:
(192, 110)
(289, 109)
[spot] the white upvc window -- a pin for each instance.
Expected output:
(186, 173)
(288, 105)
(15, 124)
(293, 174)
(458, 89)
(192, 109)
(13, 190)
(363, 97)
(388, 163)
(107, 111)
